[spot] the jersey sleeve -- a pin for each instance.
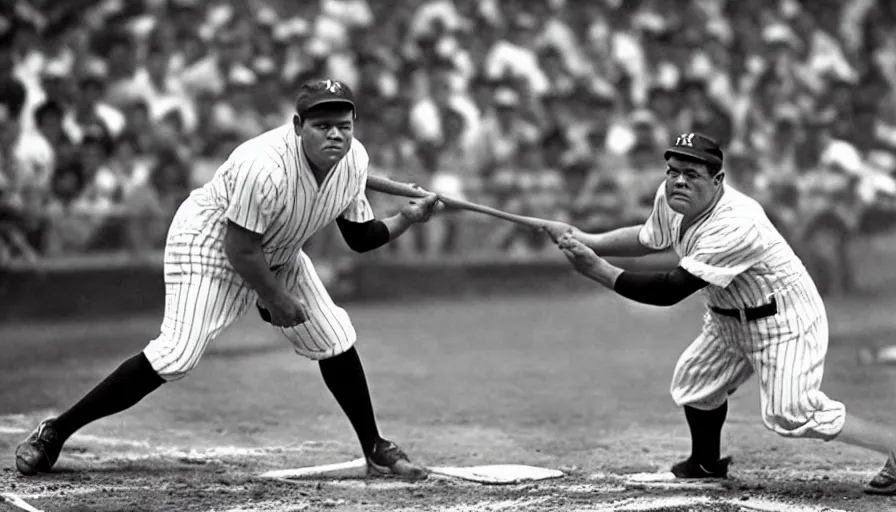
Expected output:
(656, 233)
(724, 251)
(255, 197)
(359, 210)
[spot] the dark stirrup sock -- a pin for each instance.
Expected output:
(706, 433)
(128, 384)
(344, 376)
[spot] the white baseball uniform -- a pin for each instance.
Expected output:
(747, 263)
(265, 186)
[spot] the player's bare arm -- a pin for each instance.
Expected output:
(653, 288)
(373, 234)
(243, 249)
(621, 242)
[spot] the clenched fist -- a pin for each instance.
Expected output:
(556, 229)
(583, 259)
(287, 311)
(420, 210)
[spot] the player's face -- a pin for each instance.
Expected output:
(690, 187)
(327, 137)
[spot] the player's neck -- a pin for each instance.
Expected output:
(690, 219)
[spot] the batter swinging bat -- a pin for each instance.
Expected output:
(396, 188)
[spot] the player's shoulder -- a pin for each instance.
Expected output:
(358, 149)
(357, 158)
(263, 155)
(735, 213)
(735, 205)
(266, 149)
(659, 200)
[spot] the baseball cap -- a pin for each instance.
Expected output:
(320, 92)
(697, 146)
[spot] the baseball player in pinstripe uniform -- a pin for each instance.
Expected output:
(235, 244)
(764, 314)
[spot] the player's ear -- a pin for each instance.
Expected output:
(719, 178)
(297, 123)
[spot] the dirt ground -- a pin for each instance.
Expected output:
(578, 383)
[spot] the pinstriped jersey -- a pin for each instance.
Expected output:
(267, 187)
(734, 247)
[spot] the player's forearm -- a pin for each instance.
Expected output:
(604, 273)
(243, 249)
(622, 242)
(397, 225)
(253, 268)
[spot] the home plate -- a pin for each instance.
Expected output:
(495, 474)
(669, 481)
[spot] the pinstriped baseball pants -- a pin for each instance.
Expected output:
(201, 302)
(786, 350)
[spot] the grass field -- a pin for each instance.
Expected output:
(578, 383)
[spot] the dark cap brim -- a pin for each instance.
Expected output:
(324, 101)
(693, 153)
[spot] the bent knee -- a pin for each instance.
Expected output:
(814, 417)
(704, 400)
(322, 340)
(705, 404)
(170, 362)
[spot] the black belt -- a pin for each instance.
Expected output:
(750, 314)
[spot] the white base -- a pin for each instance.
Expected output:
(488, 474)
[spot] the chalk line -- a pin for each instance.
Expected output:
(18, 502)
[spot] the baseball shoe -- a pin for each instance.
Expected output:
(690, 469)
(388, 459)
(40, 450)
(884, 483)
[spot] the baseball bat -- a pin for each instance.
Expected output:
(397, 188)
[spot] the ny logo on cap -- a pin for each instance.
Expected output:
(333, 87)
(685, 139)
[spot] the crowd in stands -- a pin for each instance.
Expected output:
(111, 111)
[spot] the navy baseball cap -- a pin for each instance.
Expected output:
(320, 92)
(696, 146)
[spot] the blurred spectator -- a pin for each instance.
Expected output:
(426, 116)
(530, 186)
(48, 122)
(90, 108)
(502, 132)
(18, 179)
(453, 174)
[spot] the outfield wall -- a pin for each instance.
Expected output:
(109, 286)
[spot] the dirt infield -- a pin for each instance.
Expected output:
(578, 383)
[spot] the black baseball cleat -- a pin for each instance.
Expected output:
(884, 483)
(387, 458)
(690, 469)
(40, 450)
